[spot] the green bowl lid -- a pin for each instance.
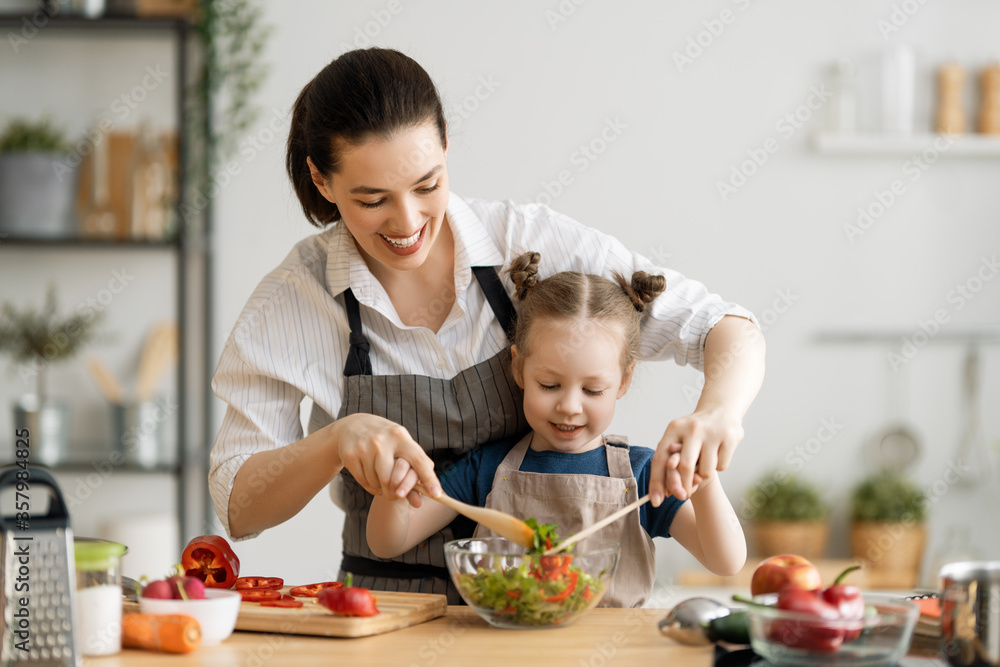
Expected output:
(98, 555)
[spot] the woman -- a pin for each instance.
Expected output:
(394, 322)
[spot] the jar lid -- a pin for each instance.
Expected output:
(97, 555)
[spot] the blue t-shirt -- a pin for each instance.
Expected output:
(470, 479)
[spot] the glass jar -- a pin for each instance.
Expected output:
(99, 596)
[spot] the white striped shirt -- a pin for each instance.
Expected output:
(291, 339)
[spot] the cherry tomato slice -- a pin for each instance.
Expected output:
(244, 583)
(260, 594)
(312, 590)
(285, 601)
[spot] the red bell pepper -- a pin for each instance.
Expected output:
(312, 590)
(260, 594)
(848, 600)
(349, 601)
(211, 559)
(807, 634)
(245, 583)
(566, 592)
(285, 601)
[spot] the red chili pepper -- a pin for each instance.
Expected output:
(566, 592)
(805, 634)
(848, 600)
(312, 590)
(349, 601)
(260, 594)
(285, 601)
(244, 583)
(211, 559)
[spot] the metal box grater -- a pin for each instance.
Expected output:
(36, 560)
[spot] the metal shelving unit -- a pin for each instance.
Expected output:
(189, 246)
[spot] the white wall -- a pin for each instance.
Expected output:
(777, 244)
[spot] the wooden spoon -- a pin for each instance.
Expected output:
(590, 530)
(501, 523)
(158, 354)
(110, 387)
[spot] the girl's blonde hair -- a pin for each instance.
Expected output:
(573, 296)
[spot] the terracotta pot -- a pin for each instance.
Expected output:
(894, 550)
(805, 538)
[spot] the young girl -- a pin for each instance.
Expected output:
(574, 350)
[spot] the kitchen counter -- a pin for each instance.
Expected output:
(602, 637)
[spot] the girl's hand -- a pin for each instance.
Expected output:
(383, 458)
(696, 445)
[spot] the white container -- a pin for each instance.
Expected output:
(216, 614)
(898, 82)
(98, 597)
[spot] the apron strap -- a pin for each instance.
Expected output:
(358, 358)
(619, 462)
(489, 281)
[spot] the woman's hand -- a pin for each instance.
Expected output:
(691, 450)
(383, 458)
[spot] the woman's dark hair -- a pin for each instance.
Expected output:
(363, 94)
(582, 296)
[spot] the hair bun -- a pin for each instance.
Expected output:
(643, 288)
(524, 273)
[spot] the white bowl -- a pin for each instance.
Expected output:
(216, 613)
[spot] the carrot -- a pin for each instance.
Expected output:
(171, 633)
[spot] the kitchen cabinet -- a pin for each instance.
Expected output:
(178, 264)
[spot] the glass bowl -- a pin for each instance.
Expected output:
(792, 638)
(510, 589)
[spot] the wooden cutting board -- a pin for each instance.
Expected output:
(396, 611)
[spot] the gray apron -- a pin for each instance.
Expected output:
(447, 418)
(575, 501)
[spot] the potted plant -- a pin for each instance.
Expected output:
(34, 339)
(887, 531)
(37, 188)
(787, 515)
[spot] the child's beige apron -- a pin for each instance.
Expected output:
(575, 501)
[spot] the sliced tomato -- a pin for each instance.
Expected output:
(244, 583)
(312, 590)
(285, 601)
(260, 594)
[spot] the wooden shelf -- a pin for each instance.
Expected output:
(85, 243)
(876, 145)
